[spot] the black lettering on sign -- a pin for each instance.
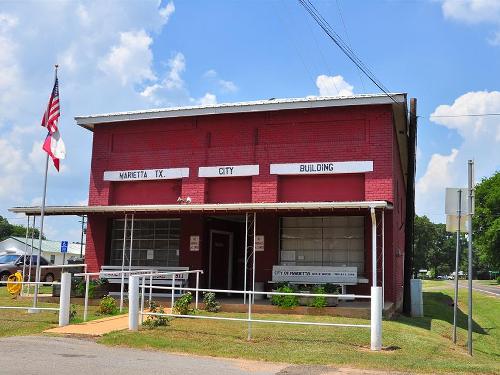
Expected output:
(122, 175)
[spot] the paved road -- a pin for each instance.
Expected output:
(61, 355)
(491, 290)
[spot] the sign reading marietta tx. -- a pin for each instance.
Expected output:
(312, 274)
(146, 174)
(322, 167)
(229, 171)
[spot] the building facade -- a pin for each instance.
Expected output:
(323, 179)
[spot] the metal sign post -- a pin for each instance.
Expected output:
(457, 259)
(64, 250)
(469, 227)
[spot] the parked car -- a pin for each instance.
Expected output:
(11, 263)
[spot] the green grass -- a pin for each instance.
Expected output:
(416, 345)
(19, 322)
(488, 282)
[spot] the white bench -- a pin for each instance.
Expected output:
(113, 275)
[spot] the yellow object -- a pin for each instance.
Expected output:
(14, 283)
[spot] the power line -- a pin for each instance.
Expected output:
(344, 47)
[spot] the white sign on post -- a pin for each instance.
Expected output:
(325, 167)
(146, 174)
(229, 171)
(312, 274)
(451, 201)
(194, 243)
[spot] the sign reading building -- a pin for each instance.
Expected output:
(322, 167)
(146, 174)
(229, 171)
(312, 274)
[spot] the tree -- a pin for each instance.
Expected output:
(7, 230)
(486, 224)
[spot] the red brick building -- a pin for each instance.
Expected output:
(324, 177)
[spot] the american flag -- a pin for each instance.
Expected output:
(52, 113)
(53, 145)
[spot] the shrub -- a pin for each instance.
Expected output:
(182, 305)
(211, 305)
(285, 301)
(332, 289)
(153, 321)
(498, 279)
(72, 312)
(318, 301)
(80, 286)
(107, 306)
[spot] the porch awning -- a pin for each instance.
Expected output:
(201, 208)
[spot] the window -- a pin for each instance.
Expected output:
(155, 242)
(323, 241)
(52, 259)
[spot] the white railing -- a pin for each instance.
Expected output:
(136, 309)
(64, 298)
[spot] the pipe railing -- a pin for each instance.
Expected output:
(136, 309)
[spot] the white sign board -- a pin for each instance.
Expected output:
(451, 201)
(313, 274)
(229, 171)
(146, 174)
(326, 167)
(150, 254)
(259, 243)
(452, 223)
(194, 243)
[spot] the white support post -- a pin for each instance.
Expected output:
(197, 286)
(249, 336)
(173, 292)
(383, 257)
(131, 243)
(374, 246)
(122, 284)
(143, 290)
(246, 260)
(86, 305)
(253, 257)
(376, 318)
(24, 256)
(133, 303)
(65, 299)
(150, 289)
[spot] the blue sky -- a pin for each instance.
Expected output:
(125, 55)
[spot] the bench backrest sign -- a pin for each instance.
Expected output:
(146, 174)
(312, 274)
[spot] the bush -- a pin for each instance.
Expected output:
(285, 301)
(72, 312)
(80, 286)
(107, 306)
(211, 305)
(153, 321)
(332, 289)
(182, 305)
(498, 279)
(318, 301)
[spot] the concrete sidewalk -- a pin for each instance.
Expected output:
(97, 327)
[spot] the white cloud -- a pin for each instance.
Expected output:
(228, 86)
(211, 73)
(177, 65)
(480, 142)
(208, 99)
(333, 86)
(494, 40)
(472, 11)
(166, 12)
(223, 85)
(131, 60)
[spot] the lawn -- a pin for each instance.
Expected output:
(416, 345)
(19, 322)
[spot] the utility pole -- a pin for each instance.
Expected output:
(457, 259)
(410, 206)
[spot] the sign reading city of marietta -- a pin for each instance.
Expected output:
(229, 171)
(325, 167)
(146, 174)
(312, 274)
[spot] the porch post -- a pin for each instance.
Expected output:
(374, 246)
(25, 253)
(31, 252)
(131, 241)
(253, 252)
(246, 260)
(383, 257)
(123, 262)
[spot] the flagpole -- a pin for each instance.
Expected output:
(42, 215)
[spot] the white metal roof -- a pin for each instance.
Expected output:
(201, 208)
(48, 246)
(240, 107)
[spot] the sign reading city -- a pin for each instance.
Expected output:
(229, 171)
(312, 274)
(146, 174)
(333, 167)
(64, 246)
